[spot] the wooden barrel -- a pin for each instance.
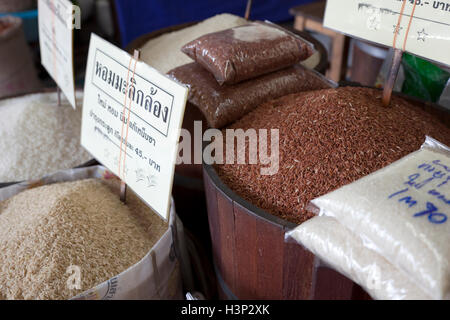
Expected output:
(252, 259)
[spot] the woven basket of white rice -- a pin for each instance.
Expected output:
(68, 236)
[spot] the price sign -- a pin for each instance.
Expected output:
(131, 121)
(56, 43)
(417, 26)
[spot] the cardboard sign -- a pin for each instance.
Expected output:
(425, 35)
(131, 121)
(56, 43)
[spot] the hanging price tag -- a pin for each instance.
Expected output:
(56, 43)
(417, 26)
(131, 121)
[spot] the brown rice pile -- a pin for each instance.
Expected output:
(45, 230)
(328, 138)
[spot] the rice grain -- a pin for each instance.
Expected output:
(38, 137)
(328, 138)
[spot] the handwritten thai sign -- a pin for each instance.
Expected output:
(417, 26)
(56, 43)
(131, 121)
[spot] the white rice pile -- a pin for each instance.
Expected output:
(45, 230)
(37, 137)
(163, 53)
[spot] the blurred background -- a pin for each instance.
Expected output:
(123, 21)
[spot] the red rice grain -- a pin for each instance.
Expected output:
(328, 138)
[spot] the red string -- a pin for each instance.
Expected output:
(123, 112)
(397, 28)
(128, 118)
(409, 25)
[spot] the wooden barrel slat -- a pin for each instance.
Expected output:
(211, 204)
(342, 288)
(227, 239)
(246, 236)
(297, 272)
(269, 249)
(359, 293)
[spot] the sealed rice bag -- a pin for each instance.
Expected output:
(401, 212)
(248, 51)
(222, 105)
(345, 252)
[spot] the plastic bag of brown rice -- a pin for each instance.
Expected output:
(401, 212)
(222, 105)
(248, 51)
(76, 248)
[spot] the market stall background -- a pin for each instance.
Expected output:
(137, 17)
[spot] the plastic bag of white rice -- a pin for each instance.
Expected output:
(401, 212)
(341, 249)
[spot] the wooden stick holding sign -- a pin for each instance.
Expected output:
(58, 91)
(56, 45)
(248, 9)
(123, 185)
(123, 191)
(393, 72)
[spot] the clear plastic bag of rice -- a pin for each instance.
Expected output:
(401, 212)
(345, 252)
